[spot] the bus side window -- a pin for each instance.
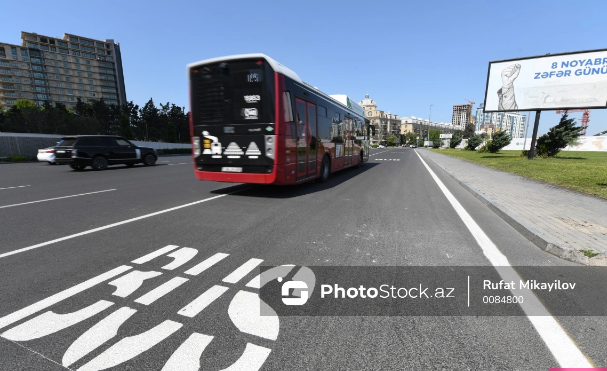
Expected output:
(287, 107)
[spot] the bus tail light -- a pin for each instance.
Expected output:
(196, 143)
(270, 141)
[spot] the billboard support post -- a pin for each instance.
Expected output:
(534, 137)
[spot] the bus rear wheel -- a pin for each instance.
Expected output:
(325, 170)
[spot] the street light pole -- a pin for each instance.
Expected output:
(429, 121)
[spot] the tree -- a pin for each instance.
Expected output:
(434, 137)
(23, 104)
(125, 127)
(500, 140)
(469, 131)
(411, 138)
(456, 139)
(558, 137)
(390, 140)
(474, 142)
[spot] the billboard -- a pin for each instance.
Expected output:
(550, 82)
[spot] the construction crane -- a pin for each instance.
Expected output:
(472, 103)
(585, 117)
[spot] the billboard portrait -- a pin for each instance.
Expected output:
(550, 82)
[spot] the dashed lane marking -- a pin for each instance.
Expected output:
(23, 186)
(116, 224)
(56, 198)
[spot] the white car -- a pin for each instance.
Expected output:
(47, 155)
(381, 146)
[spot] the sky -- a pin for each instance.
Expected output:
(407, 55)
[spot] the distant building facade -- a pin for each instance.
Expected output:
(386, 124)
(462, 116)
(512, 122)
(60, 70)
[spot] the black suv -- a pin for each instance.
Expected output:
(99, 151)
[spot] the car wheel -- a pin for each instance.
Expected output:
(99, 163)
(325, 170)
(77, 167)
(149, 160)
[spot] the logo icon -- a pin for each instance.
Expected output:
(249, 113)
(252, 98)
(297, 285)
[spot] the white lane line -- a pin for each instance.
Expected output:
(51, 300)
(242, 271)
(204, 300)
(206, 264)
(56, 198)
(115, 224)
(161, 291)
(562, 347)
(16, 187)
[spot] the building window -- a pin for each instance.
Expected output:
(79, 73)
(74, 46)
(43, 47)
(23, 59)
(92, 88)
(64, 58)
(61, 43)
(53, 49)
(89, 75)
(100, 45)
(74, 39)
(32, 45)
(55, 63)
(61, 98)
(77, 67)
(11, 101)
(64, 51)
(57, 77)
(76, 53)
(81, 87)
(82, 94)
(70, 99)
(88, 69)
(69, 86)
(60, 91)
(90, 81)
(69, 92)
(92, 94)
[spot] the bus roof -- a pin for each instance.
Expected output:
(275, 65)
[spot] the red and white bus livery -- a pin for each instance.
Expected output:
(255, 121)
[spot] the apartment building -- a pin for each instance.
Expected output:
(44, 68)
(386, 124)
(462, 116)
(512, 122)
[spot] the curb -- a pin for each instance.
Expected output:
(538, 238)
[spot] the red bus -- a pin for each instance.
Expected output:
(255, 121)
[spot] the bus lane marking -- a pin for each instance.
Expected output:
(244, 311)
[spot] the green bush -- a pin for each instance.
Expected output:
(485, 147)
(474, 142)
(558, 137)
(456, 139)
(500, 140)
(15, 159)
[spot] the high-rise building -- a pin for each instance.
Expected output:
(52, 69)
(512, 122)
(462, 116)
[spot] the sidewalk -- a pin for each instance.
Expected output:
(556, 219)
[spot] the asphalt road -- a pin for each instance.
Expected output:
(77, 293)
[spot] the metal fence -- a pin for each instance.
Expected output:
(23, 144)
